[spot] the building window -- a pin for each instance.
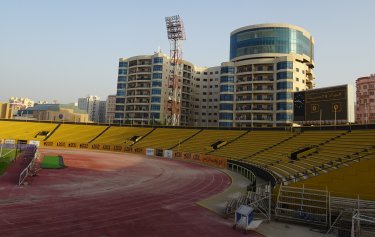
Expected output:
(284, 75)
(284, 95)
(225, 79)
(120, 93)
(157, 76)
(158, 60)
(284, 65)
(284, 85)
(119, 107)
(119, 115)
(227, 70)
(283, 116)
(225, 124)
(155, 99)
(123, 64)
(226, 97)
(226, 106)
(122, 71)
(226, 88)
(121, 86)
(156, 91)
(157, 68)
(155, 107)
(155, 115)
(226, 116)
(156, 83)
(120, 100)
(122, 78)
(284, 106)
(297, 79)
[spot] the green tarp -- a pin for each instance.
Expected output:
(52, 162)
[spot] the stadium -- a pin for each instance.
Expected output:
(67, 179)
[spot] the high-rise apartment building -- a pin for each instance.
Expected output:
(365, 107)
(142, 92)
(102, 111)
(110, 108)
(90, 104)
(267, 63)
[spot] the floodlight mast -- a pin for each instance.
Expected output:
(176, 34)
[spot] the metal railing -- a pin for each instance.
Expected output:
(25, 173)
(243, 171)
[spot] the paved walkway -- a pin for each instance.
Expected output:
(218, 202)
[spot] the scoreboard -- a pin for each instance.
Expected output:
(328, 105)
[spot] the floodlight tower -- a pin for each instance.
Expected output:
(176, 34)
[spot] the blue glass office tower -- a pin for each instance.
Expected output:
(270, 62)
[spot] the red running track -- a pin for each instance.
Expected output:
(113, 194)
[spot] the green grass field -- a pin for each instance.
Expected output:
(52, 162)
(5, 159)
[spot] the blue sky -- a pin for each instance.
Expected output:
(68, 49)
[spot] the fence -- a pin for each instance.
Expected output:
(244, 171)
(29, 153)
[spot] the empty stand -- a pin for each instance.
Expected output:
(165, 138)
(251, 143)
(25, 130)
(76, 133)
(277, 158)
(121, 135)
(201, 143)
(358, 178)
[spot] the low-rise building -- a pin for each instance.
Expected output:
(54, 113)
(6, 111)
(365, 107)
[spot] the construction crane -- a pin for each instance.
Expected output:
(176, 35)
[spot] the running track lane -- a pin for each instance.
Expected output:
(113, 194)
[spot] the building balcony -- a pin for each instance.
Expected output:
(137, 102)
(263, 80)
(139, 88)
(243, 90)
(244, 100)
(137, 110)
(244, 81)
(254, 120)
(262, 101)
(242, 73)
(138, 95)
(264, 71)
(264, 91)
